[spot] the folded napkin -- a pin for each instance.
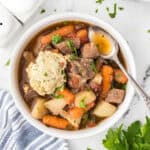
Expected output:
(17, 134)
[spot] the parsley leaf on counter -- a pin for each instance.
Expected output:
(96, 10)
(120, 8)
(43, 11)
(7, 62)
(88, 148)
(99, 1)
(114, 13)
(148, 30)
(135, 137)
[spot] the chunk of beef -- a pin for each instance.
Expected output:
(89, 50)
(65, 48)
(79, 72)
(115, 96)
(86, 69)
(76, 82)
(29, 93)
(82, 67)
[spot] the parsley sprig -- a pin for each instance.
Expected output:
(99, 1)
(56, 39)
(135, 137)
(82, 103)
(70, 45)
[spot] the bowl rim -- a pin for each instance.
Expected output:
(14, 87)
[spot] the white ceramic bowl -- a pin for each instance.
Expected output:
(21, 105)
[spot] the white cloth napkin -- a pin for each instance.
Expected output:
(17, 134)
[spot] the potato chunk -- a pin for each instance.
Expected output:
(87, 96)
(39, 110)
(104, 109)
(56, 105)
(97, 79)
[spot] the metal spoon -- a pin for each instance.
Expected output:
(113, 55)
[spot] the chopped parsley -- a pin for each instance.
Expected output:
(43, 11)
(70, 45)
(107, 8)
(65, 22)
(56, 39)
(59, 88)
(7, 62)
(82, 103)
(148, 30)
(124, 86)
(45, 74)
(58, 96)
(99, 1)
(120, 8)
(73, 57)
(93, 66)
(88, 148)
(114, 13)
(96, 10)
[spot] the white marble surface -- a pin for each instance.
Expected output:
(133, 23)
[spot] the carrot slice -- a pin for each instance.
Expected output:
(107, 74)
(63, 31)
(76, 112)
(82, 35)
(120, 76)
(68, 95)
(55, 122)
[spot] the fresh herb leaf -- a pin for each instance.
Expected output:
(115, 140)
(43, 11)
(107, 8)
(56, 39)
(59, 88)
(58, 96)
(70, 45)
(82, 103)
(114, 13)
(93, 66)
(148, 30)
(7, 62)
(88, 148)
(146, 131)
(45, 74)
(99, 1)
(124, 86)
(133, 132)
(135, 137)
(66, 22)
(73, 57)
(121, 8)
(96, 10)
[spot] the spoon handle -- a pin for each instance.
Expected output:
(139, 89)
